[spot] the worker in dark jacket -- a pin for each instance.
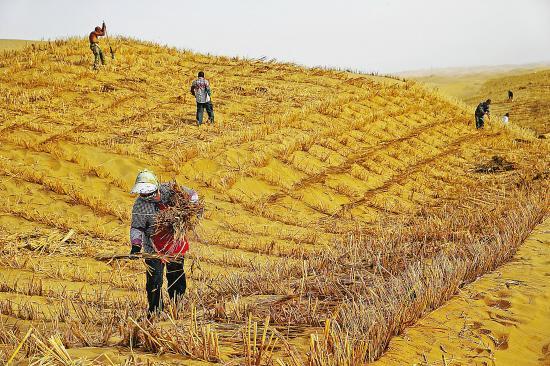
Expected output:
(154, 197)
(482, 110)
(94, 45)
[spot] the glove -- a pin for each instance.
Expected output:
(135, 249)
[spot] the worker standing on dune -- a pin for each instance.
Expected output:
(154, 197)
(482, 110)
(201, 90)
(94, 45)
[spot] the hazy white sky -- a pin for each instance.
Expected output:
(367, 35)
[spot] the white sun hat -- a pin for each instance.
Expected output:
(146, 183)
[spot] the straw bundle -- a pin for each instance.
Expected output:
(182, 215)
(497, 164)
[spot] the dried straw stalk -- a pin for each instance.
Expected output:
(182, 215)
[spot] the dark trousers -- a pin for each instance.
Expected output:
(479, 122)
(209, 109)
(175, 276)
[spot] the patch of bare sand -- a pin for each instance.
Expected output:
(501, 319)
(17, 44)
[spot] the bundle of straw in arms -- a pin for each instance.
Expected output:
(182, 215)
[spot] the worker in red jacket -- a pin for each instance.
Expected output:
(154, 197)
